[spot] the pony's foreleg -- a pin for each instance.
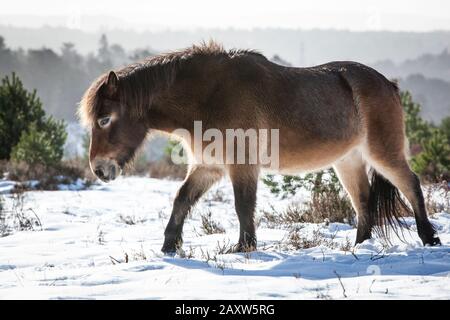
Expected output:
(197, 182)
(245, 181)
(352, 173)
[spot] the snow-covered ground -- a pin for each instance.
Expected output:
(88, 235)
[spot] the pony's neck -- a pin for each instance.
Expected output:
(176, 102)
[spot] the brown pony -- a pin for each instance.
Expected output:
(341, 114)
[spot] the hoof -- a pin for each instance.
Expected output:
(362, 235)
(435, 241)
(361, 240)
(169, 253)
(172, 247)
(172, 253)
(169, 250)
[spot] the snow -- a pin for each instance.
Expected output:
(6, 186)
(86, 235)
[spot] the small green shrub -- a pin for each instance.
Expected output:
(445, 127)
(165, 168)
(417, 129)
(433, 162)
(26, 134)
(429, 144)
(322, 181)
(328, 201)
(296, 240)
(41, 144)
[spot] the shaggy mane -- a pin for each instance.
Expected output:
(156, 71)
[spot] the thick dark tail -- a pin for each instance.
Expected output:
(386, 208)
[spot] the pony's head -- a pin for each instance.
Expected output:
(116, 133)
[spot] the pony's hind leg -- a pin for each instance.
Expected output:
(385, 152)
(351, 172)
(198, 181)
(401, 176)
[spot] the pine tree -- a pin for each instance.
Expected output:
(445, 127)
(26, 134)
(434, 160)
(429, 145)
(416, 128)
(104, 52)
(18, 108)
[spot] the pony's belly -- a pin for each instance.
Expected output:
(314, 158)
(299, 167)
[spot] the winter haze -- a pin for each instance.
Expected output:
(406, 40)
(64, 234)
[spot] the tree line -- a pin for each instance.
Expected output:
(62, 77)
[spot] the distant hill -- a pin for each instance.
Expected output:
(433, 94)
(429, 65)
(61, 62)
(299, 47)
(427, 77)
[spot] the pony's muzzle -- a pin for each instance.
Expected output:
(105, 169)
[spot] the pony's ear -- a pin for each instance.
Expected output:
(111, 84)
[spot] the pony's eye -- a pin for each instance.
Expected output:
(103, 122)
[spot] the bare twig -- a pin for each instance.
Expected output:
(114, 260)
(342, 285)
(370, 288)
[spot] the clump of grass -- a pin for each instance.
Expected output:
(3, 225)
(322, 208)
(223, 247)
(209, 226)
(190, 254)
(346, 246)
(328, 199)
(323, 295)
(328, 206)
(292, 215)
(434, 206)
(100, 236)
(271, 218)
(166, 169)
(162, 214)
(48, 178)
(216, 196)
(137, 255)
(296, 240)
(133, 255)
(131, 220)
(18, 217)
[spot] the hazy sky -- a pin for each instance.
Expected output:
(405, 15)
